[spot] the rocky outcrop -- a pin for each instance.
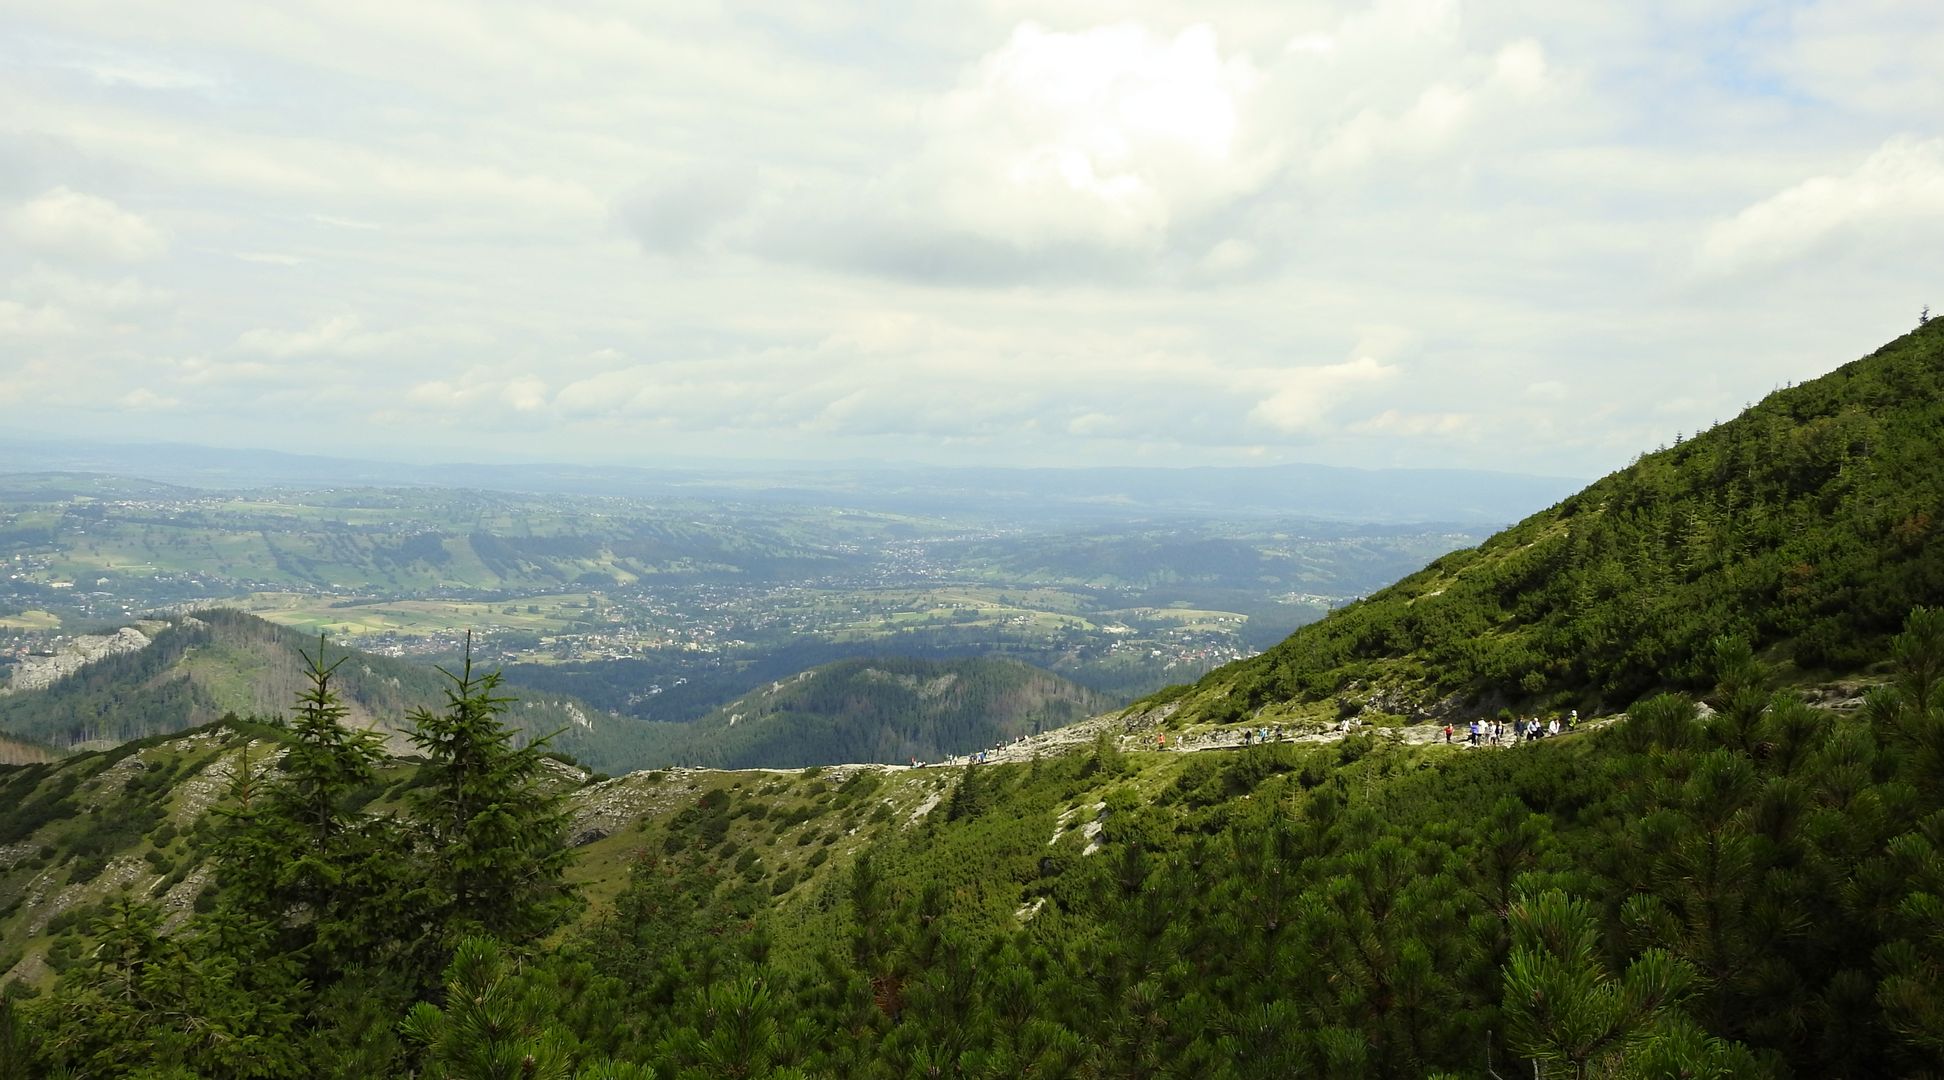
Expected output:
(603, 809)
(41, 672)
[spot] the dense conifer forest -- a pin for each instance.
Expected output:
(888, 709)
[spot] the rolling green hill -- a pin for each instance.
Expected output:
(220, 662)
(1808, 525)
(879, 710)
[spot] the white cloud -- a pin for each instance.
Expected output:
(1120, 153)
(1414, 425)
(333, 334)
(209, 371)
(143, 399)
(65, 223)
(33, 320)
(1897, 189)
(1091, 423)
(526, 394)
(1106, 136)
(1302, 398)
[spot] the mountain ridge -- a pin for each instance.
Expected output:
(1807, 525)
(217, 662)
(880, 709)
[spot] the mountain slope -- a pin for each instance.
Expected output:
(883, 709)
(218, 662)
(1809, 525)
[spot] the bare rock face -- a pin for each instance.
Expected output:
(41, 672)
(603, 809)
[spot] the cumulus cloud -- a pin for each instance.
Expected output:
(1898, 189)
(1441, 115)
(1120, 153)
(143, 399)
(69, 224)
(1091, 153)
(205, 371)
(1107, 136)
(1414, 425)
(1302, 398)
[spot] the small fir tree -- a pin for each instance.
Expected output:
(333, 881)
(492, 830)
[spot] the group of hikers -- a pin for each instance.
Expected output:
(1480, 733)
(979, 757)
(1251, 736)
(1523, 729)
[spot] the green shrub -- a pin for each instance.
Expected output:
(87, 868)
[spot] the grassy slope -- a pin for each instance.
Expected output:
(1808, 524)
(136, 819)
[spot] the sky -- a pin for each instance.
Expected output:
(1535, 237)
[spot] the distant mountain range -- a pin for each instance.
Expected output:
(1078, 494)
(202, 667)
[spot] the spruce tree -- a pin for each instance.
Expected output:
(332, 881)
(491, 829)
(213, 1002)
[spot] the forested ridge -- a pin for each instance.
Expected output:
(885, 709)
(219, 662)
(1808, 525)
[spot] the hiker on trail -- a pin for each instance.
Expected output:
(1553, 728)
(1572, 720)
(1447, 734)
